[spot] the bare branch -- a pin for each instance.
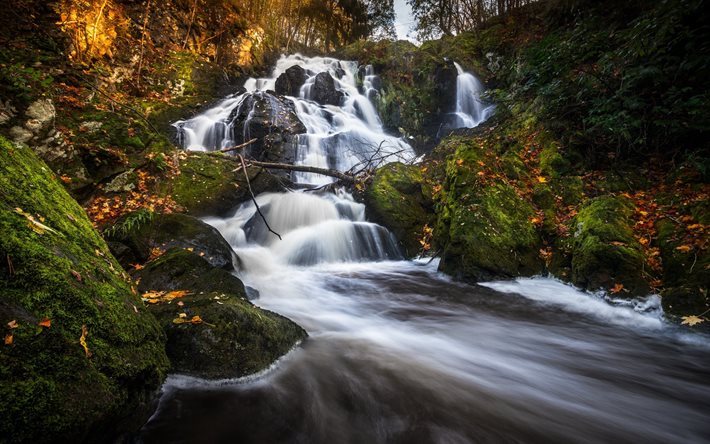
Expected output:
(238, 147)
(253, 198)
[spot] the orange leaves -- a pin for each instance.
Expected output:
(155, 253)
(155, 297)
(541, 179)
(12, 324)
(426, 237)
(684, 248)
(459, 162)
(182, 319)
(616, 288)
(82, 340)
(9, 339)
(45, 322)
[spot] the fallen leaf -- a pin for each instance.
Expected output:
(76, 275)
(617, 288)
(45, 322)
(180, 303)
(8, 339)
(137, 266)
(35, 225)
(182, 315)
(459, 162)
(82, 340)
(12, 324)
(618, 244)
(542, 179)
(684, 248)
(692, 320)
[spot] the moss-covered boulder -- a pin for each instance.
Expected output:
(399, 199)
(215, 332)
(484, 224)
(210, 185)
(139, 235)
(604, 249)
(100, 355)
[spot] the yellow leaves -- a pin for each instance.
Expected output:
(436, 189)
(45, 322)
(541, 179)
(82, 340)
(617, 288)
(155, 297)
(182, 319)
(684, 248)
(426, 237)
(536, 221)
(155, 253)
(692, 320)
(35, 225)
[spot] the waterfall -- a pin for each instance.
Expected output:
(314, 228)
(470, 110)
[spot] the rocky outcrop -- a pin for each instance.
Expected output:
(214, 331)
(273, 122)
(399, 199)
(136, 236)
(324, 91)
(81, 356)
(290, 82)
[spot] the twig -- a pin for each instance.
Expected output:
(694, 261)
(145, 25)
(238, 147)
(306, 169)
(189, 27)
(253, 198)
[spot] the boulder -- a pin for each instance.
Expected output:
(216, 332)
(273, 122)
(135, 237)
(290, 82)
(399, 199)
(82, 358)
(603, 248)
(324, 92)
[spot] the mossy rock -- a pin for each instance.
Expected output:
(399, 200)
(208, 185)
(56, 266)
(235, 338)
(142, 234)
(604, 249)
(686, 274)
(485, 226)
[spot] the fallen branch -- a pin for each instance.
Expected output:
(253, 198)
(306, 169)
(238, 147)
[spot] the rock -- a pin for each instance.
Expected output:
(56, 266)
(20, 134)
(290, 82)
(445, 77)
(210, 185)
(90, 127)
(142, 232)
(233, 339)
(122, 182)
(324, 92)
(273, 122)
(484, 227)
(41, 114)
(399, 200)
(604, 249)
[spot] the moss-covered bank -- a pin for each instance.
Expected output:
(56, 267)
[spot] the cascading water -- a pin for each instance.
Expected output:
(398, 353)
(470, 109)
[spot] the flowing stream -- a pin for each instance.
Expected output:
(398, 352)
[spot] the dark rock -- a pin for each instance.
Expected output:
(324, 92)
(290, 82)
(234, 338)
(445, 75)
(51, 389)
(273, 122)
(165, 231)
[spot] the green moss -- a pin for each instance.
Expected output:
(398, 199)
(209, 184)
(604, 250)
(65, 273)
(236, 338)
(552, 163)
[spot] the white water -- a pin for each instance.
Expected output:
(398, 352)
(470, 109)
(340, 137)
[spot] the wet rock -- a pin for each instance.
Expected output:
(142, 232)
(273, 122)
(399, 200)
(445, 75)
(290, 82)
(20, 134)
(232, 338)
(604, 249)
(62, 270)
(41, 114)
(324, 92)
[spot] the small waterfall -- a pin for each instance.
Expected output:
(314, 228)
(470, 110)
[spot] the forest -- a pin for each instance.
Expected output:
(382, 221)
